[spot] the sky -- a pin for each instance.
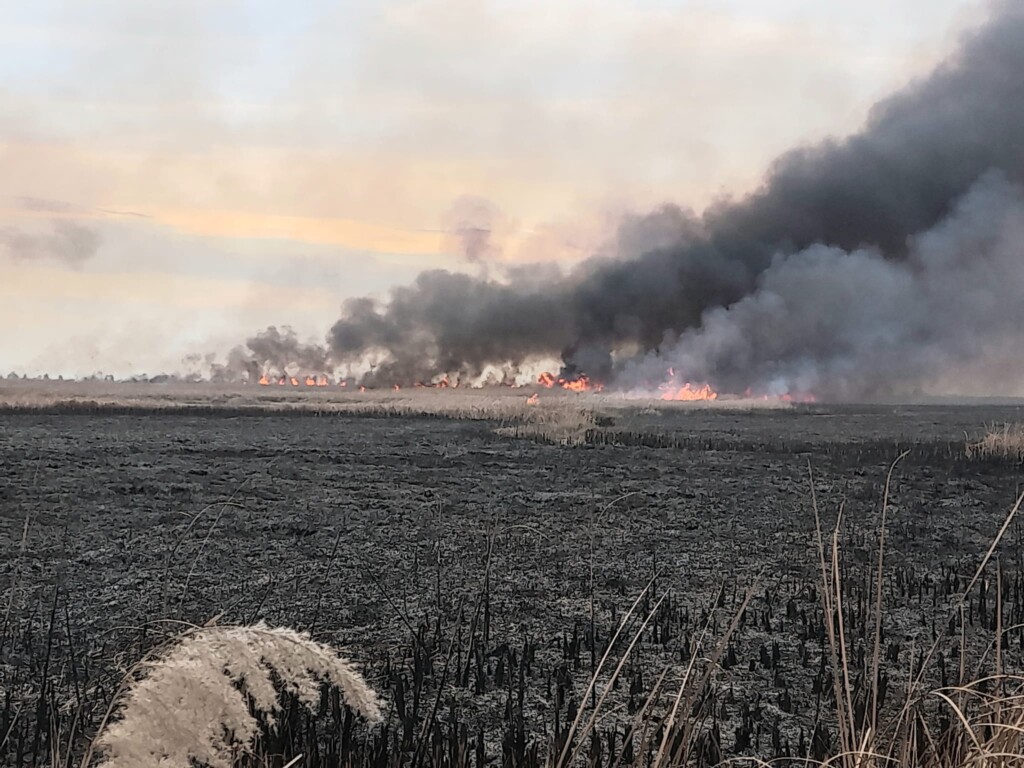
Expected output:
(175, 176)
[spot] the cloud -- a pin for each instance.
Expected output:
(347, 233)
(41, 205)
(70, 242)
(387, 112)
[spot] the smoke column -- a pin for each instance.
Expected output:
(862, 266)
(470, 224)
(846, 325)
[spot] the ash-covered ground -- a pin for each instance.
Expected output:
(442, 554)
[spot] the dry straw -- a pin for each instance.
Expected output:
(1006, 442)
(198, 701)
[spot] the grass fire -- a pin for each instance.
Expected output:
(366, 405)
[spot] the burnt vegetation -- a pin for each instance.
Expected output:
(483, 582)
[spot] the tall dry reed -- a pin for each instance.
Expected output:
(198, 701)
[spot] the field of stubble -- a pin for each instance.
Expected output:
(477, 577)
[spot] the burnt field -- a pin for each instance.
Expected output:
(478, 577)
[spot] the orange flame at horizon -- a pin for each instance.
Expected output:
(309, 380)
(689, 393)
(580, 384)
(674, 389)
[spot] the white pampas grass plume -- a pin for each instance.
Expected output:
(196, 700)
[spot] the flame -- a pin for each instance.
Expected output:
(688, 392)
(580, 384)
(320, 380)
(533, 399)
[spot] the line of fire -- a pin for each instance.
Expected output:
(671, 390)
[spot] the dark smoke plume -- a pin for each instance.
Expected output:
(452, 323)
(921, 150)
(853, 324)
(842, 254)
(277, 352)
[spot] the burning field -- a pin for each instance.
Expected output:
(883, 264)
(475, 554)
(607, 515)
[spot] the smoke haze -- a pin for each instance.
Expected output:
(65, 241)
(470, 223)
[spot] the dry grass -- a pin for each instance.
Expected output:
(556, 417)
(197, 702)
(551, 415)
(461, 403)
(564, 423)
(1006, 442)
(984, 713)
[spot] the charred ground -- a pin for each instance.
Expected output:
(446, 557)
